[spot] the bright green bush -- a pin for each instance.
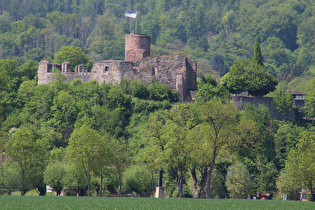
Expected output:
(139, 180)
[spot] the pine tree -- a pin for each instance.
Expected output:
(257, 55)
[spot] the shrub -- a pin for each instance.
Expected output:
(138, 179)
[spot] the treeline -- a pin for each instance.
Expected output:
(215, 32)
(41, 121)
(112, 140)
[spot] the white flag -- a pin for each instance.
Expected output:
(131, 14)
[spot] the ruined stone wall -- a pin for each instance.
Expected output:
(164, 68)
(174, 70)
(83, 76)
(111, 71)
(191, 67)
(42, 72)
(46, 76)
(240, 102)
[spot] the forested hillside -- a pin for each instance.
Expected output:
(214, 32)
(110, 140)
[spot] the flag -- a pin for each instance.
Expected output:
(131, 14)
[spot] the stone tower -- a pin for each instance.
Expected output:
(137, 46)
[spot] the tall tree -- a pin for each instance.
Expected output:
(85, 150)
(53, 176)
(27, 151)
(64, 111)
(257, 55)
(119, 161)
(181, 121)
(301, 161)
(219, 119)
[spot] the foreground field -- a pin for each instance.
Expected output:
(36, 202)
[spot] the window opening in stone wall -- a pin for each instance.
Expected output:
(106, 68)
(49, 69)
(82, 70)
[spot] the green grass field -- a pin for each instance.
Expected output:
(53, 202)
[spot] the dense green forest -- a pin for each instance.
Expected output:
(82, 136)
(216, 33)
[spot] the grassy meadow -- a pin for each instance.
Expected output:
(54, 202)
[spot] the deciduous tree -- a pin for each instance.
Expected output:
(238, 180)
(283, 102)
(301, 161)
(249, 76)
(53, 176)
(27, 151)
(219, 120)
(85, 150)
(72, 54)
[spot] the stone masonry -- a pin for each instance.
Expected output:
(241, 101)
(174, 70)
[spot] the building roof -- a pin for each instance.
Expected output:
(295, 92)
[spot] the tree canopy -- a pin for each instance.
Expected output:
(249, 76)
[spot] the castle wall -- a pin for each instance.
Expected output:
(241, 101)
(83, 76)
(164, 68)
(191, 69)
(181, 87)
(174, 70)
(42, 72)
(66, 67)
(111, 71)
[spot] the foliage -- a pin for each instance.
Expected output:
(283, 101)
(249, 76)
(220, 32)
(217, 190)
(300, 161)
(86, 149)
(238, 181)
(286, 184)
(309, 109)
(72, 54)
(207, 92)
(53, 176)
(257, 55)
(9, 176)
(138, 179)
(27, 151)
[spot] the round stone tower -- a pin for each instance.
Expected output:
(137, 46)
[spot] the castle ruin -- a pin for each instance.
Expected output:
(174, 70)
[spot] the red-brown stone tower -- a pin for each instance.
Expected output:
(137, 46)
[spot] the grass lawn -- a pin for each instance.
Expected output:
(54, 202)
